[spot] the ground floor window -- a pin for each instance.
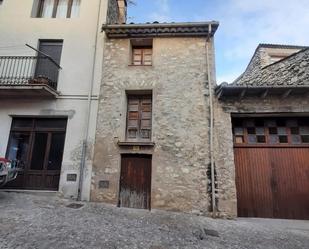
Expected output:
(37, 145)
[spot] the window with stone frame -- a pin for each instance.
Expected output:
(58, 8)
(141, 52)
(139, 118)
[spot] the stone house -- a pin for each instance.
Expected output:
(262, 136)
(152, 139)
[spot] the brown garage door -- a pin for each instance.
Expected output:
(272, 167)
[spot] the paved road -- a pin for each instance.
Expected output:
(30, 221)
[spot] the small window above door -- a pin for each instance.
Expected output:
(57, 8)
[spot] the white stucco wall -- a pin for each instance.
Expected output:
(18, 27)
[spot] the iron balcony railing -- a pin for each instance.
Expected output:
(28, 70)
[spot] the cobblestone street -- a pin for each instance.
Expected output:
(44, 221)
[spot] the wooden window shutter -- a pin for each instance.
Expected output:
(147, 57)
(139, 121)
(133, 118)
(142, 56)
(137, 57)
(145, 128)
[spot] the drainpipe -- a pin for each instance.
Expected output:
(211, 139)
(88, 113)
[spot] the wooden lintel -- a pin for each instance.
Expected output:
(286, 93)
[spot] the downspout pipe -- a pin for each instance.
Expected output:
(88, 113)
(211, 132)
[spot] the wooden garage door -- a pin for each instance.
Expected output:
(272, 167)
(135, 181)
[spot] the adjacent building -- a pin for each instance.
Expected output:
(51, 54)
(262, 136)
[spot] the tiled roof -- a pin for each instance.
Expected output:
(283, 46)
(290, 71)
(191, 29)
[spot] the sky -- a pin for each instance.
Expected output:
(243, 25)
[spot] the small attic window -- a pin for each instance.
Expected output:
(141, 52)
(275, 58)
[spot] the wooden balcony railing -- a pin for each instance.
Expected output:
(28, 70)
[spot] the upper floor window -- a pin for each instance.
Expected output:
(142, 56)
(58, 8)
(141, 52)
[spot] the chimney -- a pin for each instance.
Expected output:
(122, 8)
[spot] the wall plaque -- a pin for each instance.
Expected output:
(71, 177)
(103, 184)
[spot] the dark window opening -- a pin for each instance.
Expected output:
(39, 150)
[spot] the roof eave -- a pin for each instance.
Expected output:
(241, 92)
(201, 29)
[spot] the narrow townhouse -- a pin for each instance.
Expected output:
(152, 146)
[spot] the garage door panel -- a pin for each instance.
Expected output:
(253, 183)
(291, 190)
(272, 173)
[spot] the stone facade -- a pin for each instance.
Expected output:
(180, 125)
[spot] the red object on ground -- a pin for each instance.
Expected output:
(2, 159)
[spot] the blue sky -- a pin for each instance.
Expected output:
(243, 25)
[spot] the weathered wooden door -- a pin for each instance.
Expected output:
(272, 167)
(135, 181)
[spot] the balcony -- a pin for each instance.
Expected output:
(28, 76)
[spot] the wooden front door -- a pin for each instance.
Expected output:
(37, 145)
(135, 181)
(272, 167)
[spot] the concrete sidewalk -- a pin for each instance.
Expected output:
(46, 221)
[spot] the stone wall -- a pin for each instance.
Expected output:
(180, 158)
(224, 156)
(112, 12)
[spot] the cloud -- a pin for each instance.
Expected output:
(162, 12)
(245, 24)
